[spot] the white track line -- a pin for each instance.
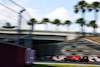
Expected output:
(65, 63)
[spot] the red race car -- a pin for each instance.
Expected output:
(77, 58)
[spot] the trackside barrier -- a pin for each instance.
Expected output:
(44, 58)
(60, 58)
(94, 58)
(29, 56)
(15, 56)
(91, 58)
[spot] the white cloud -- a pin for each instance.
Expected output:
(98, 23)
(40, 27)
(7, 15)
(34, 13)
(62, 14)
(59, 13)
(90, 1)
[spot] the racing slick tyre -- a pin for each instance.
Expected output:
(65, 59)
(79, 60)
(85, 59)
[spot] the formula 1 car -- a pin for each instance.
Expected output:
(77, 58)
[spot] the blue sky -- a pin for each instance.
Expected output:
(52, 9)
(51, 4)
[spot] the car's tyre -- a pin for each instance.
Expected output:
(85, 59)
(79, 60)
(65, 59)
(69, 59)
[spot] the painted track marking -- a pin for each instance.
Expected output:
(65, 63)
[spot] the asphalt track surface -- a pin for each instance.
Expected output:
(69, 63)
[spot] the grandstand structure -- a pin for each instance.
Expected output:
(81, 47)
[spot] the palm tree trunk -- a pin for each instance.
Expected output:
(56, 28)
(31, 36)
(29, 39)
(95, 16)
(94, 32)
(46, 26)
(82, 26)
(66, 28)
(69, 28)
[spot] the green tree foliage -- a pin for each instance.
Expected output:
(44, 21)
(82, 5)
(8, 25)
(93, 25)
(31, 21)
(56, 22)
(67, 22)
(95, 6)
(80, 21)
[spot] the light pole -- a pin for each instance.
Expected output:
(19, 25)
(31, 36)
(30, 39)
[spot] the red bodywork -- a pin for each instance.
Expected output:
(74, 58)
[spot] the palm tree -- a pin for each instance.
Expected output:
(56, 22)
(80, 21)
(8, 25)
(45, 21)
(82, 5)
(93, 25)
(31, 22)
(96, 7)
(67, 22)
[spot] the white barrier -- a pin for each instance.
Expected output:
(91, 58)
(58, 58)
(29, 56)
(94, 59)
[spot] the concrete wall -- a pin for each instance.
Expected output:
(48, 49)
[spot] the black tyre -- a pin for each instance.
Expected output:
(65, 59)
(79, 60)
(85, 59)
